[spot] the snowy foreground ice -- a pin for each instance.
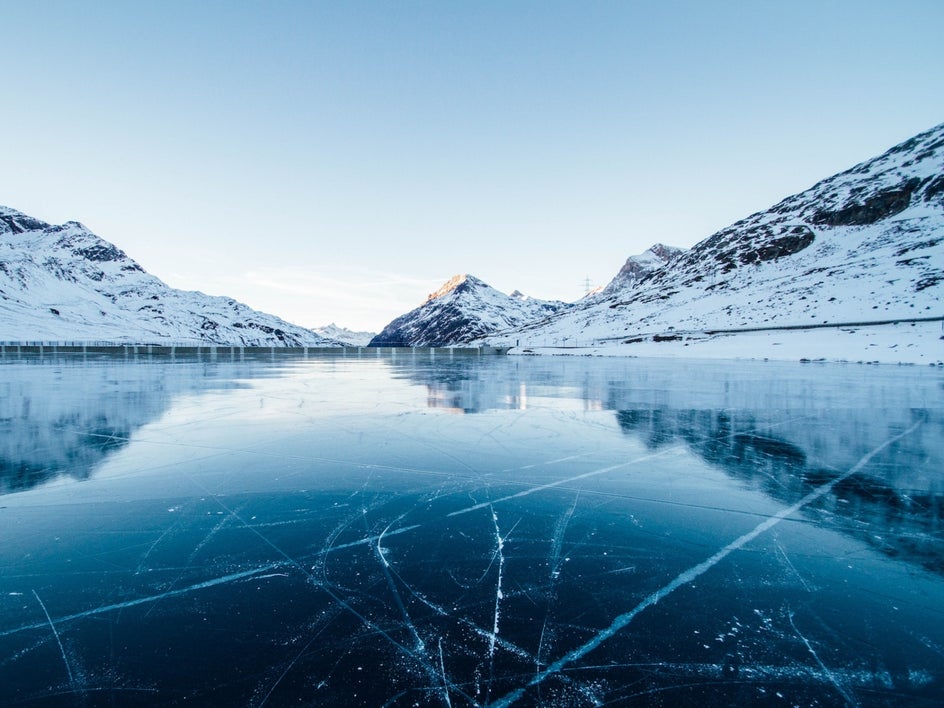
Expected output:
(405, 529)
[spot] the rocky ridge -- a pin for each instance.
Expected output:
(344, 336)
(462, 310)
(64, 283)
(636, 267)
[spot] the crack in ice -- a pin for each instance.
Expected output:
(559, 482)
(52, 626)
(144, 600)
(500, 543)
(395, 591)
(442, 669)
(829, 674)
(686, 577)
(557, 542)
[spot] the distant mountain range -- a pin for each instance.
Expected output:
(345, 336)
(64, 283)
(863, 246)
(466, 309)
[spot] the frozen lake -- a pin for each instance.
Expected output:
(400, 530)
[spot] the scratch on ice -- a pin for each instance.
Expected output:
(688, 576)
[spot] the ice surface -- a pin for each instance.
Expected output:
(400, 529)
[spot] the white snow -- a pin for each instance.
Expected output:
(799, 264)
(345, 336)
(64, 283)
(463, 309)
(902, 343)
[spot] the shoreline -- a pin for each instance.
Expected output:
(919, 342)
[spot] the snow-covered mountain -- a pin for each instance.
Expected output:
(862, 246)
(636, 267)
(345, 336)
(463, 309)
(64, 283)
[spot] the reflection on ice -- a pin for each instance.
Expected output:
(62, 417)
(895, 504)
(599, 532)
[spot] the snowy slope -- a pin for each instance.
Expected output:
(64, 283)
(345, 336)
(862, 246)
(636, 267)
(463, 309)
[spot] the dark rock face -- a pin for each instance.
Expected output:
(934, 189)
(286, 339)
(18, 223)
(393, 338)
(799, 238)
(100, 252)
(450, 326)
(755, 245)
(880, 205)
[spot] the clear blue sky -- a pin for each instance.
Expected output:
(340, 160)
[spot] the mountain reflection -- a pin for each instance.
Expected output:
(782, 429)
(61, 417)
(899, 513)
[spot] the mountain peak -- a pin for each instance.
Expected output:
(459, 283)
(636, 267)
(462, 310)
(664, 252)
(344, 336)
